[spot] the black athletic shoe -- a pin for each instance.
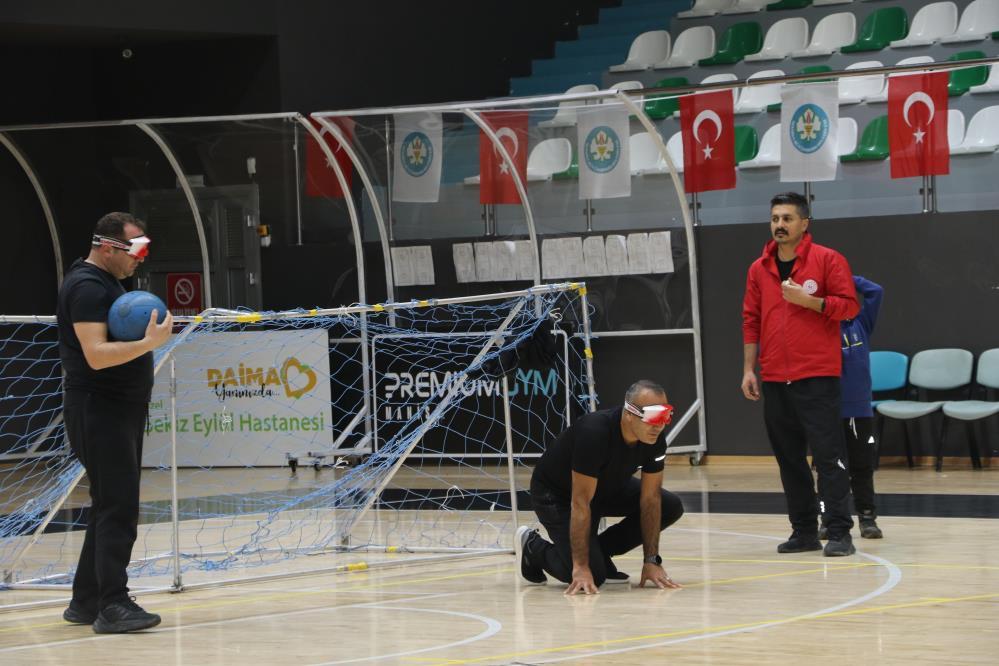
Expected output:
(869, 529)
(123, 616)
(800, 543)
(839, 546)
(521, 543)
(823, 532)
(79, 614)
(615, 577)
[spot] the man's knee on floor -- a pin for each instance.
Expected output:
(671, 510)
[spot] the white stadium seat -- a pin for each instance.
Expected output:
(718, 78)
(955, 128)
(930, 24)
(565, 116)
(549, 157)
(846, 136)
(979, 20)
(857, 89)
(705, 8)
(692, 45)
(757, 98)
(831, 33)
(645, 156)
(983, 133)
(991, 84)
(769, 154)
(647, 49)
(783, 38)
(675, 149)
(826, 3)
(914, 60)
(747, 6)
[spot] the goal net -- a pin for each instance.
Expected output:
(308, 440)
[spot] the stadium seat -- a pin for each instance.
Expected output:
(879, 30)
(572, 173)
(931, 370)
(737, 42)
(889, 372)
(788, 4)
(955, 128)
(648, 49)
(983, 133)
(811, 69)
(873, 144)
(705, 8)
(692, 45)
(979, 19)
(769, 153)
(930, 24)
(565, 116)
(746, 7)
(719, 78)
(846, 136)
(630, 85)
(675, 149)
(757, 98)
(645, 156)
(963, 80)
(657, 109)
(747, 143)
(914, 60)
(991, 84)
(969, 411)
(856, 89)
(831, 33)
(826, 3)
(783, 38)
(549, 157)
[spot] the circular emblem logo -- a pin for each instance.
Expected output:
(809, 128)
(602, 149)
(810, 287)
(417, 153)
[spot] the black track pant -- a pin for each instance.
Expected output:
(804, 415)
(106, 436)
(554, 513)
(860, 450)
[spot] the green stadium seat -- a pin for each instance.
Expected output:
(788, 4)
(571, 173)
(811, 69)
(747, 143)
(657, 109)
(961, 80)
(737, 42)
(873, 144)
(880, 29)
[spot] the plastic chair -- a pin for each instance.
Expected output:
(645, 156)
(757, 98)
(971, 411)
(769, 153)
(747, 143)
(991, 84)
(549, 157)
(692, 45)
(646, 50)
(889, 372)
(856, 89)
(873, 144)
(746, 7)
(831, 33)
(846, 136)
(719, 78)
(961, 81)
(811, 69)
(931, 370)
(737, 42)
(914, 60)
(955, 128)
(657, 109)
(983, 133)
(675, 149)
(783, 38)
(979, 19)
(826, 3)
(565, 116)
(880, 29)
(705, 8)
(930, 23)
(629, 85)
(788, 4)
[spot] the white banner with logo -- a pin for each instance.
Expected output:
(243, 399)
(604, 155)
(419, 152)
(809, 120)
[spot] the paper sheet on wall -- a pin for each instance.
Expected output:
(594, 258)
(402, 266)
(525, 259)
(573, 248)
(484, 262)
(552, 259)
(464, 262)
(423, 265)
(616, 252)
(504, 260)
(638, 254)
(661, 252)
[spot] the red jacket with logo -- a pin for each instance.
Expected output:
(796, 342)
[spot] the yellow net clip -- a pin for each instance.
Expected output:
(249, 317)
(588, 353)
(378, 307)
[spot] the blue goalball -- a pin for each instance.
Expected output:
(130, 314)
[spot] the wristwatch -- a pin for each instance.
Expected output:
(653, 559)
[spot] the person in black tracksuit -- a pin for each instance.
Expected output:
(105, 400)
(858, 415)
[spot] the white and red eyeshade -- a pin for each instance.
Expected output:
(652, 414)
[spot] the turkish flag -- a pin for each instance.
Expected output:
(320, 179)
(497, 184)
(707, 123)
(917, 125)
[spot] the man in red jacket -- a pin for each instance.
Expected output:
(796, 295)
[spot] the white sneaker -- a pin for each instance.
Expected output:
(529, 574)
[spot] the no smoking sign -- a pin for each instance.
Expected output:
(184, 293)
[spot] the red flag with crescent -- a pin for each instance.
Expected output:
(707, 124)
(497, 185)
(917, 125)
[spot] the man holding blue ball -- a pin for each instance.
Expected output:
(105, 400)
